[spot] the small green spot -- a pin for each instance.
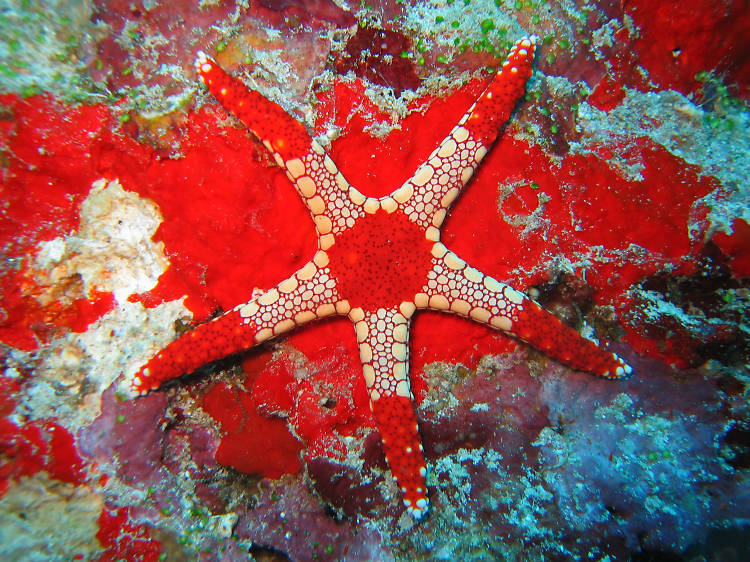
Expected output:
(548, 39)
(586, 41)
(519, 5)
(535, 19)
(564, 43)
(221, 46)
(121, 396)
(162, 556)
(329, 549)
(150, 491)
(124, 118)
(7, 71)
(653, 456)
(166, 510)
(98, 64)
(421, 61)
(120, 418)
(127, 70)
(574, 107)
(487, 25)
(553, 128)
(455, 24)
(498, 3)
(551, 58)
(439, 19)
(701, 76)
(449, 2)
(405, 55)
(534, 185)
(457, 41)
(14, 45)
(442, 59)
(28, 91)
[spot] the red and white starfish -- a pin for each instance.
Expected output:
(378, 262)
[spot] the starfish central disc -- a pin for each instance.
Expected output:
(380, 262)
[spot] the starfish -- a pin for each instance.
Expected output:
(379, 261)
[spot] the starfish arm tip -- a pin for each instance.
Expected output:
(623, 370)
(417, 509)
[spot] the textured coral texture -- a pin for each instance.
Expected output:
(134, 208)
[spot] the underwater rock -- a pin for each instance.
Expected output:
(621, 203)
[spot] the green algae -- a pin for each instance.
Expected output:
(45, 47)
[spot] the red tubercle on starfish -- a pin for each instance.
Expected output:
(494, 106)
(558, 340)
(266, 119)
(207, 342)
(402, 446)
(366, 268)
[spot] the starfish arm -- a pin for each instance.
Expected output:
(454, 286)
(383, 347)
(428, 195)
(333, 203)
(309, 294)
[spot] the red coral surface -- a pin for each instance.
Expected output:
(233, 222)
(38, 446)
(252, 443)
(123, 539)
(677, 40)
